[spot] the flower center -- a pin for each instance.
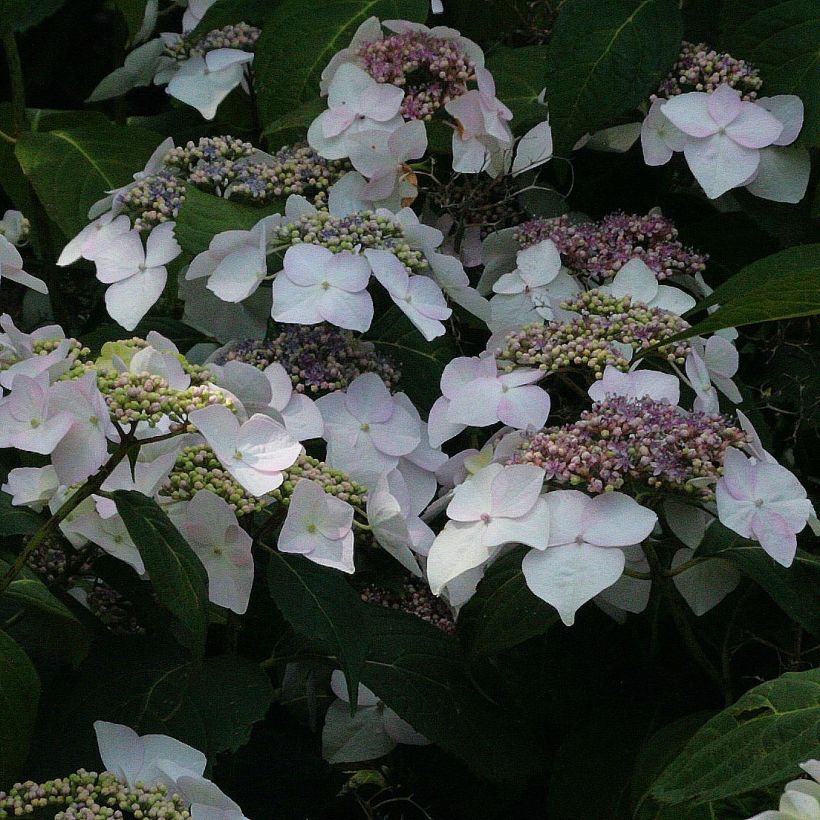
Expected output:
(311, 528)
(35, 423)
(759, 502)
(238, 455)
(365, 428)
(486, 518)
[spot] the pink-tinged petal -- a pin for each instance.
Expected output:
(389, 271)
(775, 483)
(219, 426)
(724, 105)
(515, 489)
(635, 279)
(336, 121)
(655, 150)
(334, 147)
(566, 514)
(348, 271)
(161, 246)
(457, 548)
(121, 750)
(734, 513)
(524, 407)
(476, 403)
(381, 101)
(520, 376)
(719, 163)
(400, 730)
(237, 276)
(473, 499)
(704, 585)
(531, 529)
(45, 437)
(302, 418)
(129, 300)
(305, 264)
(398, 435)
(783, 174)
(539, 263)
(368, 399)
(788, 109)
(352, 311)
(566, 577)
(690, 114)
(409, 141)
(438, 427)
(463, 370)
(467, 110)
(721, 356)
(266, 445)
(616, 520)
(334, 553)
(348, 84)
(775, 536)
(754, 127)
(739, 475)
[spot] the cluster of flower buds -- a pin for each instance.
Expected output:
(334, 482)
(414, 597)
(91, 796)
(135, 397)
(363, 230)
(596, 337)
(206, 150)
(153, 200)
(109, 606)
(596, 251)
(240, 37)
(296, 169)
(431, 70)
(621, 438)
(52, 564)
(700, 68)
(197, 468)
(319, 358)
(76, 358)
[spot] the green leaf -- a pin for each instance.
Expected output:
(17, 520)
(202, 216)
(503, 612)
(418, 672)
(293, 126)
(19, 698)
(134, 13)
(71, 169)
(322, 607)
(231, 694)
(780, 38)
(422, 362)
(299, 39)
(520, 76)
(47, 611)
(229, 12)
(605, 58)
(781, 286)
(757, 742)
(36, 11)
(178, 577)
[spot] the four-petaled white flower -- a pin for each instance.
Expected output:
(637, 280)
(204, 81)
(476, 395)
(764, 502)
(418, 297)
(317, 285)
(27, 422)
(318, 526)
(659, 137)
(498, 505)
(136, 274)
(724, 136)
(800, 799)
(223, 547)
(356, 103)
(709, 365)
(372, 731)
(254, 453)
(11, 268)
(584, 550)
(367, 429)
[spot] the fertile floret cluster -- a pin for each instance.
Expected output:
(700, 68)
(296, 169)
(197, 468)
(240, 37)
(431, 70)
(596, 251)
(651, 442)
(77, 356)
(596, 337)
(134, 397)
(91, 796)
(414, 597)
(364, 230)
(333, 482)
(319, 358)
(226, 166)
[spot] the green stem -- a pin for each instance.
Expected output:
(675, 602)
(7, 138)
(18, 90)
(71, 503)
(671, 573)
